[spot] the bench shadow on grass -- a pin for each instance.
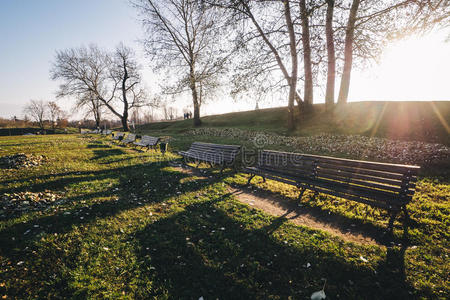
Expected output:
(19, 240)
(202, 251)
(338, 221)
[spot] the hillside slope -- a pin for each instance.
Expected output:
(422, 121)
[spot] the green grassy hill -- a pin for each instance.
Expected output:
(422, 121)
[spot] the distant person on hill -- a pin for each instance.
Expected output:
(190, 115)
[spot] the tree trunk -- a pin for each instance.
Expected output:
(96, 117)
(124, 117)
(294, 66)
(124, 121)
(195, 100)
(96, 111)
(308, 93)
(197, 121)
(291, 119)
(348, 53)
(331, 72)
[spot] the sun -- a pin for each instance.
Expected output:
(411, 69)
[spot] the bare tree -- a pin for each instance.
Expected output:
(113, 78)
(273, 34)
(306, 41)
(370, 25)
(37, 109)
(149, 116)
(331, 54)
(93, 105)
(348, 52)
(54, 112)
(184, 39)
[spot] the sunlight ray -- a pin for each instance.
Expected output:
(440, 117)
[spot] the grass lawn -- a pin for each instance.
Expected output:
(126, 224)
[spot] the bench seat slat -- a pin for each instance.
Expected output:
(212, 153)
(208, 158)
(387, 167)
(350, 180)
(328, 185)
(304, 184)
(344, 174)
(129, 139)
(374, 173)
(147, 141)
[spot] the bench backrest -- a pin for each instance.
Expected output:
(292, 164)
(215, 152)
(379, 184)
(149, 140)
(131, 137)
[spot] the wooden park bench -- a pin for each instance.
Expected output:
(386, 186)
(118, 136)
(147, 142)
(130, 138)
(106, 131)
(214, 154)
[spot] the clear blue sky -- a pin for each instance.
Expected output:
(32, 30)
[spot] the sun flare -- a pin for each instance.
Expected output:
(412, 69)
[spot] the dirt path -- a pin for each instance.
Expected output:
(301, 216)
(277, 206)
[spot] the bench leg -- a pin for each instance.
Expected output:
(250, 179)
(198, 164)
(406, 221)
(184, 163)
(223, 167)
(391, 221)
(263, 178)
(301, 194)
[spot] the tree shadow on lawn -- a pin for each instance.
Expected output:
(116, 160)
(99, 154)
(164, 184)
(62, 181)
(22, 244)
(98, 145)
(202, 251)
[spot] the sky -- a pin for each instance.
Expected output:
(31, 31)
